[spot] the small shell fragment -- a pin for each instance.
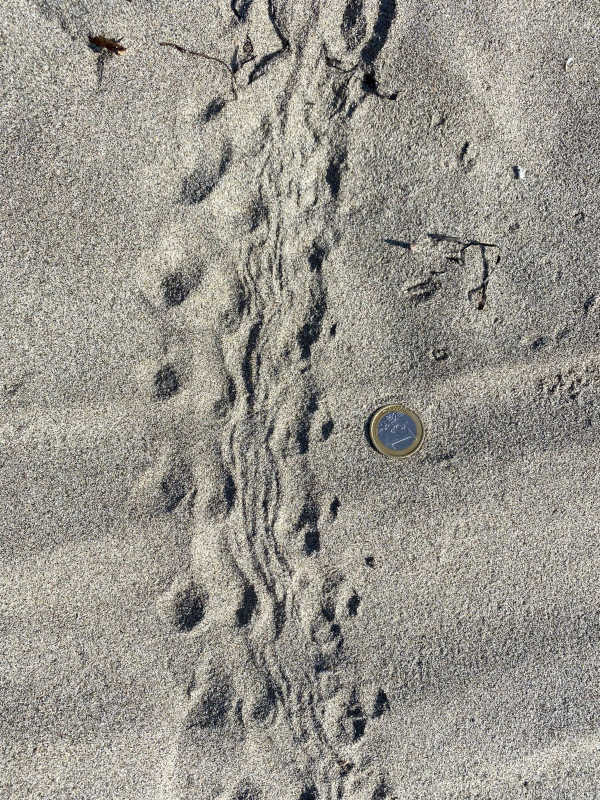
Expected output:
(569, 63)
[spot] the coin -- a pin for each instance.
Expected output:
(396, 430)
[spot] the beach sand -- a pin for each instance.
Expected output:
(214, 272)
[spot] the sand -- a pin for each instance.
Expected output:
(214, 272)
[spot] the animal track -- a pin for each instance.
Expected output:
(440, 457)
(356, 715)
(334, 173)
(247, 608)
(265, 704)
(328, 607)
(198, 185)
(424, 290)
(214, 108)
(382, 791)
(334, 507)
(569, 385)
(382, 704)
(354, 24)
(308, 522)
(266, 510)
(312, 542)
(326, 429)
(257, 215)
(229, 491)
(317, 256)
(212, 709)
(325, 632)
(224, 406)
(183, 607)
(466, 163)
(251, 361)
(166, 382)
(329, 594)
(302, 435)
(539, 342)
(247, 791)
(340, 97)
(241, 8)
(353, 604)
(175, 289)
(311, 330)
(175, 486)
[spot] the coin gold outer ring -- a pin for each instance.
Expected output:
(388, 451)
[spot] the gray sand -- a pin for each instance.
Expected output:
(212, 585)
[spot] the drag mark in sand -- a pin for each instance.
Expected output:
(263, 617)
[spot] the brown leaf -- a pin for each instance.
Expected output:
(103, 43)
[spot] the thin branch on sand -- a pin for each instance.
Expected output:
(232, 69)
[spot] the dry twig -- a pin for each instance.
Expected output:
(235, 64)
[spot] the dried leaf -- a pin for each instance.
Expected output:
(104, 43)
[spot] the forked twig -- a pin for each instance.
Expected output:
(249, 56)
(204, 55)
(195, 53)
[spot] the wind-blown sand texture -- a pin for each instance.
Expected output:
(213, 587)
